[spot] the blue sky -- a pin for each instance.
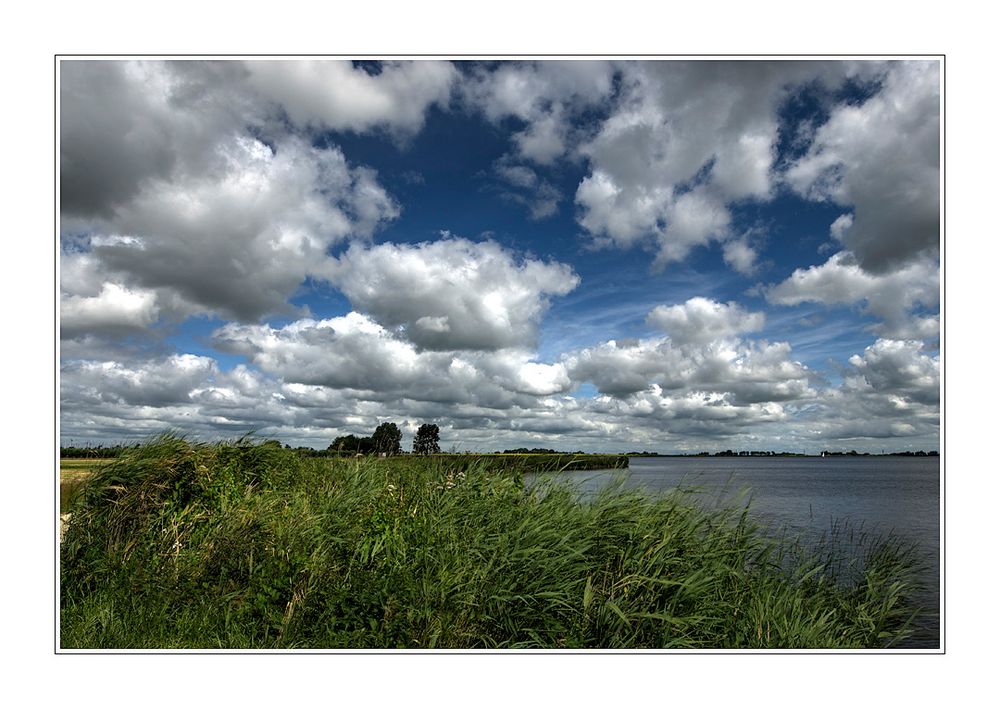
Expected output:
(607, 255)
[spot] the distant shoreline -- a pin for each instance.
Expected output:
(903, 454)
(100, 452)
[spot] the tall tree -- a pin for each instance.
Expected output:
(351, 445)
(386, 439)
(427, 439)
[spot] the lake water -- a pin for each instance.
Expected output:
(810, 496)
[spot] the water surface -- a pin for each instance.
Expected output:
(811, 496)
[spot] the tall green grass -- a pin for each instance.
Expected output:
(535, 462)
(178, 545)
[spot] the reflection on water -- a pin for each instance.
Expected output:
(810, 497)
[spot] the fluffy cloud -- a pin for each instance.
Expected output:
(543, 96)
(695, 413)
(899, 367)
(263, 217)
(343, 352)
(740, 256)
(701, 320)
(525, 187)
(114, 310)
(692, 219)
(890, 297)
(124, 123)
(197, 195)
(353, 352)
(621, 369)
(153, 383)
(103, 400)
(616, 216)
(338, 95)
(736, 395)
(710, 125)
(889, 391)
(882, 158)
(516, 371)
(702, 355)
(840, 226)
(684, 141)
(453, 293)
(200, 188)
(740, 371)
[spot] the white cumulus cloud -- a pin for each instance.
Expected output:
(882, 158)
(900, 367)
(677, 124)
(700, 320)
(176, 181)
(683, 143)
(114, 310)
(702, 354)
(890, 296)
(740, 256)
(152, 383)
(336, 94)
(452, 293)
(544, 96)
(262, 216)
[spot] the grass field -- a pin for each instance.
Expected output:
(73, 472)
(234, 545)
(521, 463)
(84, 464)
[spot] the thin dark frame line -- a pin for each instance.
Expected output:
(942, 236)
(55, 347)
(547, 54)
(509, 652)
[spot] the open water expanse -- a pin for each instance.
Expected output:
(810, 496)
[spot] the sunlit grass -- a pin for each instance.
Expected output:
(177, 545)
(73, 472)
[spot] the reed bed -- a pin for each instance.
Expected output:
(237, 545)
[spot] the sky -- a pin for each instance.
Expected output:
(661, 255)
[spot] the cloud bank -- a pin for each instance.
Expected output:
(237, 251)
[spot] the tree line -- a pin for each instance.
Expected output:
(99, 451)
(386, 441)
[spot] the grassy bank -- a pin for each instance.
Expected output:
(237, 546)
(532, 462)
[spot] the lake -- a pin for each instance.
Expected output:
(809, 496)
